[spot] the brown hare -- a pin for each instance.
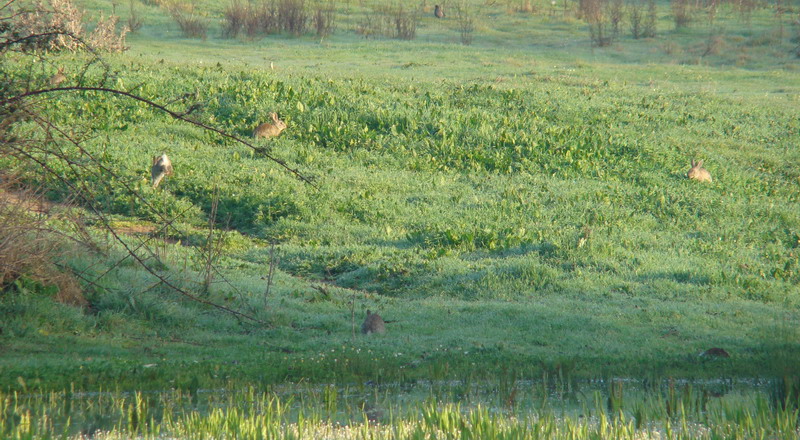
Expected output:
(58, 78)
(162, 167)
(268, 130)
(438, 11)
(715, 352)
(373, 324)
(697, 172)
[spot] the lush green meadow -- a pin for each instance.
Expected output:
(517, 209)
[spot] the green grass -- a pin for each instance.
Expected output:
(519, 204)
(510, 409)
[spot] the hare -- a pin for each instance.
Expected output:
(162, 167)
(697, 172)
(373, 324)
(438, 11)
(715, 352)
(268, 130)
(58, 78)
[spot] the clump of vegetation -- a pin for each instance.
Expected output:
(250, 18)
(30, 248)
(293, 16)
(405, 22)
(650, 20)
(636, 15)
(191, 25)
(135, 21)
(525, 6)
(389, 21)
(236, 17)
(681, 13)
(466, 23)
(324, 19)
(59, 25)
(595, 14)
(615, 14)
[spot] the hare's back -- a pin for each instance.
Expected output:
(265, 130)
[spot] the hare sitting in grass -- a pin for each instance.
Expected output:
(270, 129)
(715, 352)
(697, 172)
(58, 78)
(373, 324)
(162, 167)
(438, 12)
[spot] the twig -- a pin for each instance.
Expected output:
(272, 264)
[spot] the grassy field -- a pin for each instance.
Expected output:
(516, 207)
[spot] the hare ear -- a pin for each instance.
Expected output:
(692, 162)
(275, 117)
(700, 163)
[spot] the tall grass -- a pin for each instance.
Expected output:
(323, 412)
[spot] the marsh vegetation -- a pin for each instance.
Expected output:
(507, 188)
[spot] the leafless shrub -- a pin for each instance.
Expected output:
(236, 17)
(211, 251)
(389, 21)
(59, 23)
(373, 24)
(263, 19)
(711, 11)
(780, 11)
(635, 16)
(671, 48)
(324, 19)
(651, 20)
(405, 22)
(293, 16)
(680, 13)
(466, 24)
(525, 6)
(105, 37)
(597, 18)
(135, 21)
(615, 15)
(191, 25)
(714, 45)
(252, 19)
